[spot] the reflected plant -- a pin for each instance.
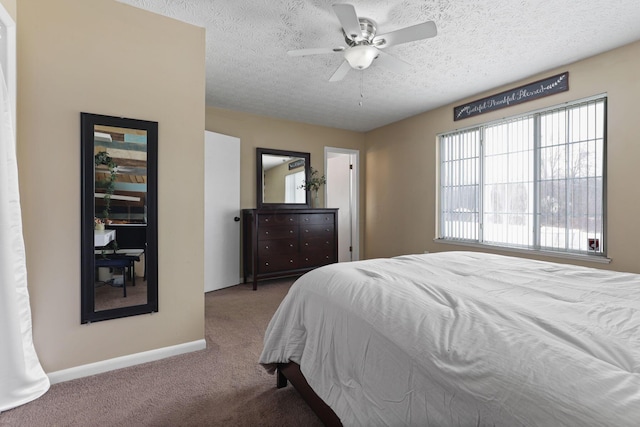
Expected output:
(109, 184)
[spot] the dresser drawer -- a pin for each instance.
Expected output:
(316, 230)
(316, 218)
(316, 258)
(277, 232)
(316, 243)
(277, 262)
(277, 246)
(277, 219)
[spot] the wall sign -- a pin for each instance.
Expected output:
(296, 164)
(535, 90)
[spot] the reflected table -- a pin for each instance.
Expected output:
(103, 237)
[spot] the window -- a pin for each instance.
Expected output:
(294, 191)
(534, 181)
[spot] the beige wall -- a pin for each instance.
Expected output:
(10, 6)
(103, 57)
(258, 131)
(401, 162)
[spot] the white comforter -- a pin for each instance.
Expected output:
(465, 339)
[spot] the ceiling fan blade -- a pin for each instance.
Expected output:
(346, 13)
(314, 51)
(340, 72)
(404, 35)
(392, 63)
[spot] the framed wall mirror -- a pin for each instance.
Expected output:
(119, 217)
(280, 174)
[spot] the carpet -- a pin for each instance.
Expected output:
(220, 385)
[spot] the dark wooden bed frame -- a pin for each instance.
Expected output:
(291, 372)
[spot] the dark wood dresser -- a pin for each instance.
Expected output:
(287, 242)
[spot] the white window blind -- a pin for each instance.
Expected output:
(534, 181)
(294, 193)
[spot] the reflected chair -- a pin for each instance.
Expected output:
(132, 241)
(119, 262)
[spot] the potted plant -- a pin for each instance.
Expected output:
(313, 184)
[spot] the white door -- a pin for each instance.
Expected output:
(221, 208)
(341, 168)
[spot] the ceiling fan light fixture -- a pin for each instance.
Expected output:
(360, 57)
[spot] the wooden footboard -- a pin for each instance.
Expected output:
(291, 371)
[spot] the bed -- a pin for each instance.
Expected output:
(461, 339)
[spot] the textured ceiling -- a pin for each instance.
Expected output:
(481, 44)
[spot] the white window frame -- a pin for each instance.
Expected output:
(477, 240)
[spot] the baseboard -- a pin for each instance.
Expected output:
(124, 361)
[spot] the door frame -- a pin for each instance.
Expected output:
(9, 59)
(355, 195)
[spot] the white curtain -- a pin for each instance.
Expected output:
(22, 379)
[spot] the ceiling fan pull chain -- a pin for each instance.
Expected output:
(361, 88)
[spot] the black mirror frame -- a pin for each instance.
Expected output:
(259, 183)
(87, 123)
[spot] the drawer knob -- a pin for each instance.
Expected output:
(306, 244)
(291, 260)
(266, 220)
(266, 263)
(290, 245)
(306, 259)
(266, 247)
(266, 232)
(290, 219)
(306, 219)
(327, 229)
(290, 231)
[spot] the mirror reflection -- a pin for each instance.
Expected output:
(119, 230)
(281, 175)
(120, 222)
(283, 179)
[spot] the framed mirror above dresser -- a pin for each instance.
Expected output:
(279, 177)
(284, 236)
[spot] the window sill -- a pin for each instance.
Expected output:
(576, 257)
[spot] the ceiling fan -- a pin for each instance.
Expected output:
(364, 46)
